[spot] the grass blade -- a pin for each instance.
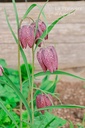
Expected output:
(28, 10)
(16, 13)
(61, 107)
(58, 72)
(8, 113)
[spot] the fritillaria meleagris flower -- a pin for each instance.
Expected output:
(43, 100)
(48, 58)
(1, 70)
(41, 28)
(26, 36)
(42, 25)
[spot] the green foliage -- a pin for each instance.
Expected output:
(71, 124)
(7, 92)
(42, 121)
(24, 72)
(82, 125)
(47, 85)
(3, 62)
(4, 118)
(6, 121)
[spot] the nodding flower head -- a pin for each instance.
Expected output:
(26, 36)
(40, 29)
(42, 25)
(43, 100)
(48, 58)
(1, 70)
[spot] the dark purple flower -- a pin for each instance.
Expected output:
(43, 100)
(1, 70)
(48, 58)
(26, 36)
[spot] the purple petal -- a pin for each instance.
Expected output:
(48, 59)
(23, 43)
(55, 64)
(26, 36)
(39, 57)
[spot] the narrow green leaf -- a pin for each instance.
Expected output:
(16, 13)
(3, 62)
(44, 88)
(19, 94)
(61, 107)
(41, 10)
(49, 123)
(58, 72)
(54, 84)
(8, 113)
(28, 10)
(21, 50)
(71, 124)
(51, 27)
(45, 78)
(3, 82)
(10, 27)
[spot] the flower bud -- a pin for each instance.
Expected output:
(26, 36)
(43, 100)
(48, 59)
(1, 70)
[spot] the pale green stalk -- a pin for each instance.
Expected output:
(20, 78)
(32, 107)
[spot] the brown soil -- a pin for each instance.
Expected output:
(71, 93)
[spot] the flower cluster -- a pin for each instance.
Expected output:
(47, 57)
(28, 34)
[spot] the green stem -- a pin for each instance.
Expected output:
(20, 78)
(32, 107)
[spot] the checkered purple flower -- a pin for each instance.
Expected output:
(26, 36)
(43, 100)
(48, 59)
